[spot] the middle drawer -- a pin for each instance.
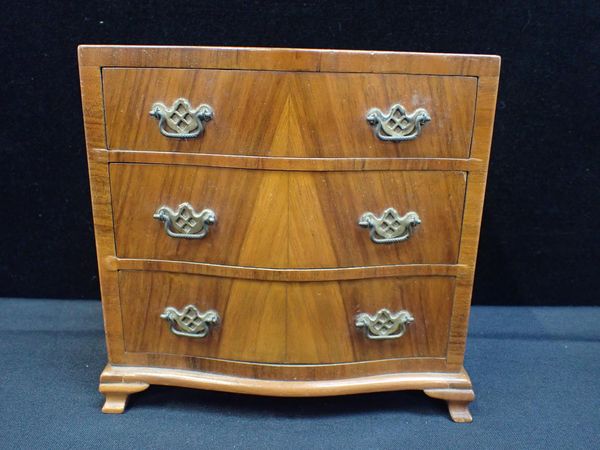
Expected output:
(286, 219)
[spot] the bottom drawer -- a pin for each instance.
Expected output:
(290, 323)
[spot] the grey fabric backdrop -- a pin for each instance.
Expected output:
(535, 372)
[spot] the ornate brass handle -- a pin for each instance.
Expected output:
(186, 223)
(391, 227)
(190, 322)
(397, 124)
(180, 120)
(384, 324)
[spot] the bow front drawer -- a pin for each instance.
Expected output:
(286, 219)
(275, 322)
(267, 113)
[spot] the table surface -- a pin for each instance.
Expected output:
(536, 374)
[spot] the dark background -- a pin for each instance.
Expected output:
(539, 243)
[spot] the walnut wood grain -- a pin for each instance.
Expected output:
(286, 59)
(289, 114)
(251, 208)
(269, 274)
(117, 395)
(274, 322)
(434, 382)
(294, 220)
(91, 94)
(458, 402)
(325, 208)
(482, 139)
(321, 316)
(281, 372)
(440, 377)
(293, 164)
(251, 327)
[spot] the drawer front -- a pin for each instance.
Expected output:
(325, 209)
(249, 328)
(322, 319)
(295, 323)
(288, 219)
(250, 208)
(289, 114)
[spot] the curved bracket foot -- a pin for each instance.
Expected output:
(459, 411)
(117, 394)
(458, 402)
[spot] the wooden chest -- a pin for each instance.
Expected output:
(287, 222)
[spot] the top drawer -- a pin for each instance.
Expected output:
(296, 114)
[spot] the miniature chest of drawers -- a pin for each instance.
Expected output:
(287, 222)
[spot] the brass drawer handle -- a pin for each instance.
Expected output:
(186, 223)
(391, 227)
(384, 324)
(190, 322)
(180, 120)
(397, 124)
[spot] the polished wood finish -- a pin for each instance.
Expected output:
(286, 59)
(325, 208)
(251, 229)
(276, 322)
(293, 220)
(289, 114)
(256, 273)
(117, 383)
(320, 319)
(458, 402)
(292, 164)
(252, 326)
(436, 384)
(296, 145)
(117, 394)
